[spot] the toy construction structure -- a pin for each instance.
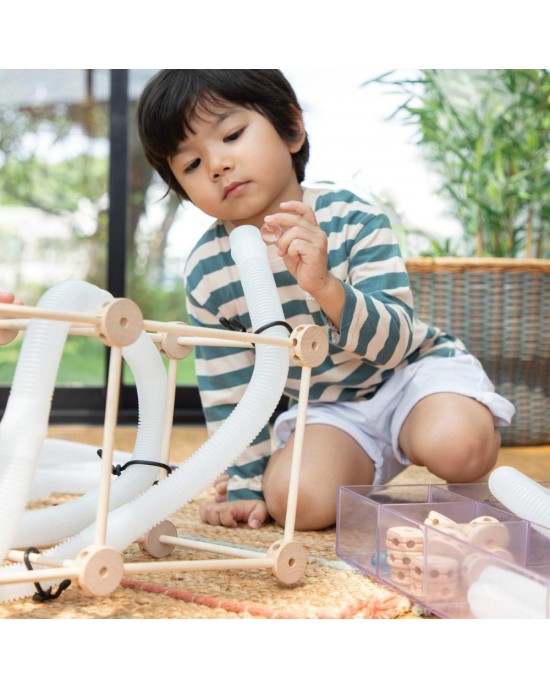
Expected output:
(89, 550)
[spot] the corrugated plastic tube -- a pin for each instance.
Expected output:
(44, 526)
(128, 522)
(69, 467)
(25, 421)
(523, 496)
(503, 594)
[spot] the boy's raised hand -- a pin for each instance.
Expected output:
(302, 244)
(304, 248)
(230, 514)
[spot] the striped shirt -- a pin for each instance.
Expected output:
(378, 334)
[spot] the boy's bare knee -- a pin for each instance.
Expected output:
(312, 510)
(457, 456)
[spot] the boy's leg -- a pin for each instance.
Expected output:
(452, 435)
(330, 458)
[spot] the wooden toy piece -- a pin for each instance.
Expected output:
(485, 519)
(435, 575)
(151, 544)
(310, 345)
(405, 538)
(445, 546)
(399, 558)
(434, 518)
(101, 570)
(171, 348)
(488, 534)
(289, 561)
(121, 322)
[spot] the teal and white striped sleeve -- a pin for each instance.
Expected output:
(377, 321)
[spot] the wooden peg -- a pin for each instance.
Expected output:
(434, 518)
(289, 561)
(151, 544)
(101, 570)
(121, 322)
(310, 345)
(171, 348)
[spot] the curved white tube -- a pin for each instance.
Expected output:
(44, 526)
(130, 521)
(503, 594)
(69, 467)
(25, 420)
(522, 496)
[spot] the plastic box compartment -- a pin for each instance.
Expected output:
(496, 567)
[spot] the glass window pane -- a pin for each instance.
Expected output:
(54, 161)
(161, 233)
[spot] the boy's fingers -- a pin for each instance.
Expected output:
(258, 516)
(300, 209)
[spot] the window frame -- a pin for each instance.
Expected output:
(87, 404)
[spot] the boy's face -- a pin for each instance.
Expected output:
(236, 167)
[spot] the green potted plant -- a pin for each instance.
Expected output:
(486, 133)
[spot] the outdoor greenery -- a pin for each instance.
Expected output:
(55, 161)
(486, 133)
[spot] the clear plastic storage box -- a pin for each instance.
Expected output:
(451, 548)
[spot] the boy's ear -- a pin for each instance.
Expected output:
(298, 141)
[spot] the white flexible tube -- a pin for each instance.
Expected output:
(522, 496)
(503, 594)
(130, 521)
(44, 526)
(69, 467)
(25, 421)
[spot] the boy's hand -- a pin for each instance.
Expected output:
(220, 487)
(304, 248)
(230, 514)
(302, 244)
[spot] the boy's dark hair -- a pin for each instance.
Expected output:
(170, 99)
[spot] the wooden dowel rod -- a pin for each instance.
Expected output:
(203, 565)
(13, 323)
(208, 547)
(23, 324)
(38, 559)
(111, 413)
(209, 332)
(292, 502)
(49, 314)
(204, 341)
(54, 574)
(168, 414)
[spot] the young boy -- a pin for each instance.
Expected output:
(393, 390)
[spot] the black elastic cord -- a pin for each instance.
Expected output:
(42, 595)
(117, 470)
(273, 324)
(237, 326)
(233, 324)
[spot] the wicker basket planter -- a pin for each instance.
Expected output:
(500, 308)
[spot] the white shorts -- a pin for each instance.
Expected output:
(375, 423)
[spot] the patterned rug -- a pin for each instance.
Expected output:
(329, 589)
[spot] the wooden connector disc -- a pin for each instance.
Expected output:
(101, 570)
(121, 322)
(289, 561)
(151, 543)
(310, 345)
(171, 348)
